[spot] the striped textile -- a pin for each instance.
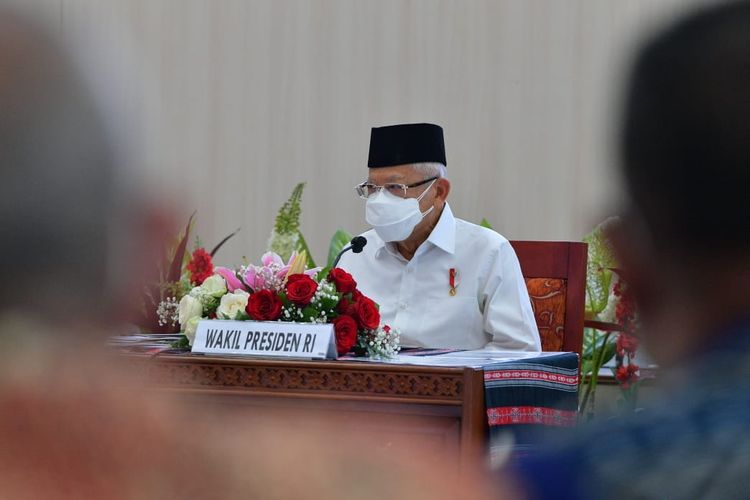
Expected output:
(529, 401)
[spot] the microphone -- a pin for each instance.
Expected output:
(356, 246)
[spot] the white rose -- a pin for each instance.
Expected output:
(232, 304)
(214, 286)
(191, 328)
(190, 307)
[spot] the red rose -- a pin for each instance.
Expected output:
(343, 280)
(345, 306)
(200, 266)
(366, 313)
(264, 305)
(300, 289)
(346, 333)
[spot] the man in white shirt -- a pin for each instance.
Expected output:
(441, 281)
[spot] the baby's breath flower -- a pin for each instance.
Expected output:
(168, 312)
(382, 343)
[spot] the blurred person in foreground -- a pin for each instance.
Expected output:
(684, 245)
(72, 425)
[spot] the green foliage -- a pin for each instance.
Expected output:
(322, 274)
(598, 348)
(286, 236)
(598, 344)
(182, 343)
(328, 304)
(593, 341)
(241, 316)
(302, 245)
(287, 220)
(210, 304)
(601, 260)
(485, 223)
(339, 240)
(309, 313)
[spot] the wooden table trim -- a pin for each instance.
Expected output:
(458, 391)
(407, 383)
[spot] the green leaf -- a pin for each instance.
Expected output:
(338, 241)
(328, 304)
(609, 350)
(309, 313)
(485, 223)
(598, 274)
(589, 338)
(287, 220)
(594, 341)
(181, 343)
(210, 306)
(285, 235)
(302, 245)
(322, 274)
(586, 367)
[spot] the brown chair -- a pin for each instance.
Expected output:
(555, 274)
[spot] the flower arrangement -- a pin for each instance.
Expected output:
(627, 372)
(279, 291)
(611, 324)
(179, 271)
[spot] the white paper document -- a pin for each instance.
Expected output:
(472, 359)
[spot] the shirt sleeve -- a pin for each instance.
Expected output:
(506, 307)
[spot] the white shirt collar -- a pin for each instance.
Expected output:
(443, 235)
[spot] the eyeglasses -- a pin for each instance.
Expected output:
(367, 189)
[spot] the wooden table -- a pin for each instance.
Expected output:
(440, 407)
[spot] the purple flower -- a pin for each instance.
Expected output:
(271, 258)
(253, 278)
(233, 283)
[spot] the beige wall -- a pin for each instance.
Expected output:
(234, 102)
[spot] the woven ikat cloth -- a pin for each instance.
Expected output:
(530, 400)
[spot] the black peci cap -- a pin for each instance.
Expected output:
(408, 143)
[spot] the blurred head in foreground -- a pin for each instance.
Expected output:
(685, 149)
(684, 246)
(66, 206)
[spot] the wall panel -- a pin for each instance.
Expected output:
(233, 102)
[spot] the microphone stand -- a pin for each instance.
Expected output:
(356, 246)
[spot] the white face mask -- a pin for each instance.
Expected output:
(394, 218)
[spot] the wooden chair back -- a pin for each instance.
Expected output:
(555, 274)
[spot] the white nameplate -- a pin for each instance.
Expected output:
(266, 338)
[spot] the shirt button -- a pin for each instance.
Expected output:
(402, 305)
